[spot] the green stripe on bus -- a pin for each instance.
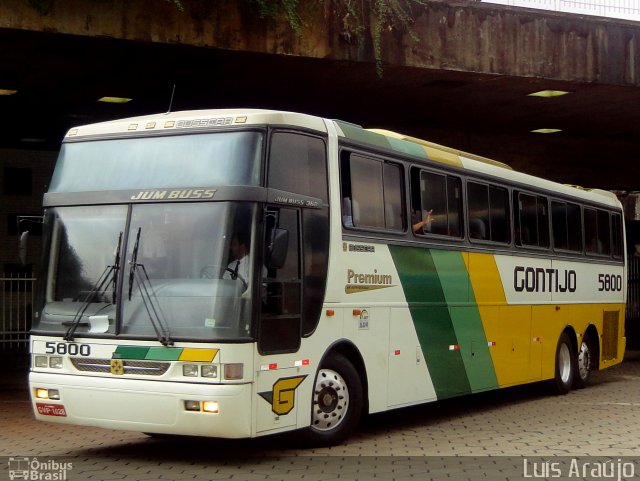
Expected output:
(164, 353)
(405, 147)
(434, 327)
(130, 352)
(356, 133)
(456, 285)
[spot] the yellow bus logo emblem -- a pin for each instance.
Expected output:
(117, 367)
(283, 395)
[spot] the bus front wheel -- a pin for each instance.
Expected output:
(565, 365)
(336, 404)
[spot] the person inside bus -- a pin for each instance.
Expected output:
(424, 225)
(238, 268)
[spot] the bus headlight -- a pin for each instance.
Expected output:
(42, 393)
(210, 407)
(41, 361)
(190, 370)
(55, 362)
(209, 370)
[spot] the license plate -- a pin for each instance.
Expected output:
(51, 409)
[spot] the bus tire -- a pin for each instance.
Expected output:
(565, 365)
(584, 363)
(337, 402)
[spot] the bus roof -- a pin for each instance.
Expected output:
(202, 120)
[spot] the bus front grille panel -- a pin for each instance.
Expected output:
(610, 335)
(143, 368)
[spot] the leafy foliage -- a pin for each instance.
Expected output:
(357, 16)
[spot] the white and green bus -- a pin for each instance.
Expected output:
(239, 273)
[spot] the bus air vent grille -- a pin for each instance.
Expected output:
(141, 368)
(610, 335)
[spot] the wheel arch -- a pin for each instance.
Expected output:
(592, 333)
(352, 353)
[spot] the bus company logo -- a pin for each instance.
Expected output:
(191, 194)
(282, 396)
(210, 122)
(117, 367)
(358, 282)
(33, 469)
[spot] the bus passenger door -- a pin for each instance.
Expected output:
(280, 320)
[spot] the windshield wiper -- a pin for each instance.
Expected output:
(155, 313)
(98, 286)
(116, 269)
(134, 262)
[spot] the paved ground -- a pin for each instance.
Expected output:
(509, 434)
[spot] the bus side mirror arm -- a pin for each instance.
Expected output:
(22, 247)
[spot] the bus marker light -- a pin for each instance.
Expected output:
(133, 127)
(192, 405)
(491, 343)
(536, 339)
(41, 361)
(190, 370)
(331, 313)
(42, 393)
(55, 362)
(210, 407)
(357, 312)
(304, 362)
(169, 124)
(150, 125)
(454, 347)
(236, 371)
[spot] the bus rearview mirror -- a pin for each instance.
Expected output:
(277, 250)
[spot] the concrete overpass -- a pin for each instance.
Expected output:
(463, 80)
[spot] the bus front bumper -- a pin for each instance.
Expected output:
(145, 406)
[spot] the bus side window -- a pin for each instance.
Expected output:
(489, 213)
(372, 193)
(531, 220)
(436, 203)
(297, 163)
(597, 232)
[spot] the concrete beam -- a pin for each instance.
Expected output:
(462, 35)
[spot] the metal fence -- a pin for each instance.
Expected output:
(17, 294)
(627, 9)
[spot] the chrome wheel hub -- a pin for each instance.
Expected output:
(330, 400)
(564, 363)
(584, 360)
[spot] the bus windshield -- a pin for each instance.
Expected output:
(185, 271)
(171, 161)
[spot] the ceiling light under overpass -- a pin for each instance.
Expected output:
(114, 100)
(8, 92)
(548, 93)
(546, 131)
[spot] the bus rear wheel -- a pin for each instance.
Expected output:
(585, 363)
(337, 402)
(565, 365)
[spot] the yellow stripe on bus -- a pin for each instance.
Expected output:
(198, 355)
